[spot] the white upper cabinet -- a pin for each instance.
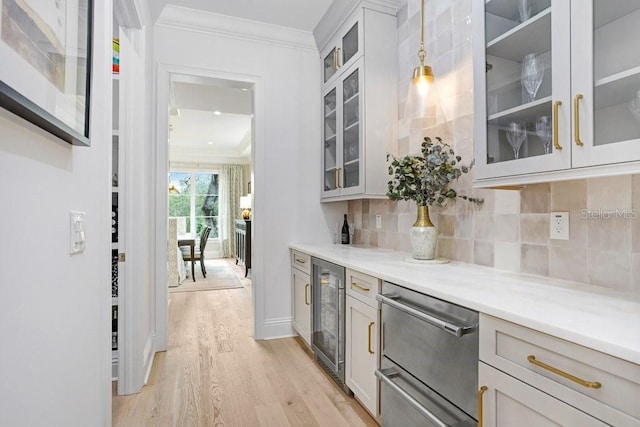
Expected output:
(557, 87)
(359, 105)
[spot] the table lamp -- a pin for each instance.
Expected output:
(245, 203)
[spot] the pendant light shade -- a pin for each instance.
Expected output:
(422, 99)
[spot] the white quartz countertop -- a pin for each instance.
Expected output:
(594, 317)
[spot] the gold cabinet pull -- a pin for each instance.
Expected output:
(589, 384)
(335, 66)
(556, 106)
(362, 288)
(306, 294)
(369, 338)
(338, 177)
(335, 178)
(338, 58)
(300, 261)
(576, 121)
(480, 393)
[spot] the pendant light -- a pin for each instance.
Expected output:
(422, 74)
(422, 99)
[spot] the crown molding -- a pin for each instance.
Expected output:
(193, 20)
(131, 13)
(340, 10)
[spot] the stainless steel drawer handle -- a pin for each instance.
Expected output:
(456, 330)
(385, 376)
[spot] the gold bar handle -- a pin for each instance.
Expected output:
(589, 384)
(338, 174)
(335, 59)
(335, 178)
(576, 121)
(556, 106)
(362, 288)
(480, 393)
(338, 58)
(300, 261)
(369, 338)
(306, 294)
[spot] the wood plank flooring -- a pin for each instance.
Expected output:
(215, 374)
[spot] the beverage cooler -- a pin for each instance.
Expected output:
(328, 321)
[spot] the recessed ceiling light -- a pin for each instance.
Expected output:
(217, 113)
(244, 89)
(210, 142)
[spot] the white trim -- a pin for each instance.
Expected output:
(149, 354)
(281, 327)
(131, 13)
(161, 166)
(186, 19)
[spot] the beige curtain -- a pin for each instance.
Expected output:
(230, 190)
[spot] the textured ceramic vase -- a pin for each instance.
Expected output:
(424, 236)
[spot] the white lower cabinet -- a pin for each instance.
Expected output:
(362, 352)
(510, 402)
(302, 303)
(547, 381)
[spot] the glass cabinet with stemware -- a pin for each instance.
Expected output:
(359, 104)
(557, 89)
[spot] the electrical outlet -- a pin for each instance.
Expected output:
(559, 225)
(378, 221)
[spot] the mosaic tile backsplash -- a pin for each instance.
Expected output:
(510, 230)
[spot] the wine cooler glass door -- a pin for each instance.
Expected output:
(328, 315)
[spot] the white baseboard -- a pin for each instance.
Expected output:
(278, 328)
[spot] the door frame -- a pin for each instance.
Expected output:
(163, 81)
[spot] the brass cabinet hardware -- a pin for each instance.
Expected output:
(589, 384)
(338, 58)
(369, 338)
(335, 178)
(306, 294)
(556, 106)
(362, 288)
(576, 121)
(335, 59)
(300, 261)
(480, 393)
(338, 176)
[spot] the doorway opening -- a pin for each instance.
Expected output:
(210, 137)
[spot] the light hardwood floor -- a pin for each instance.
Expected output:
(215, 374)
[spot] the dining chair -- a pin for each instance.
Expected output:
(198, 254)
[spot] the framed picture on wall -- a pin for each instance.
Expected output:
(45, 76)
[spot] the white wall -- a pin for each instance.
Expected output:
(286, 71)
(55, 311)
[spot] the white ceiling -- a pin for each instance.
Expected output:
(301, 14)
(195, 132)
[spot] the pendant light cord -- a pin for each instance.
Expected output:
(421, 53)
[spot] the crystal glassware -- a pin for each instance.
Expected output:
(532, 74)
(524, 9)
(516, 135)
(543, 130)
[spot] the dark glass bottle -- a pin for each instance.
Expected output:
(345, 231)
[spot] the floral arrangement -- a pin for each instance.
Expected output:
(425, 178)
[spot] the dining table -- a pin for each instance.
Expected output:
(188, 240)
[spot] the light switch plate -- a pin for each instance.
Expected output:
(76, 232)
(378, 221)
(559, 225)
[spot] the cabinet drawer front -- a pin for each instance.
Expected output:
(362, 287)
(544, 362)
(301, 261)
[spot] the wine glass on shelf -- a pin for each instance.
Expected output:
(532, 74)
(524, 9)
(543, 130)
(516, 135)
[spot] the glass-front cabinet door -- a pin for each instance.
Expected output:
(525, 87)
(342, 135)
(605, 81)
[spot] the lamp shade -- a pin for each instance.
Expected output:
(245, 202)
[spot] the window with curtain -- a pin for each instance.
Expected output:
(193, 197)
